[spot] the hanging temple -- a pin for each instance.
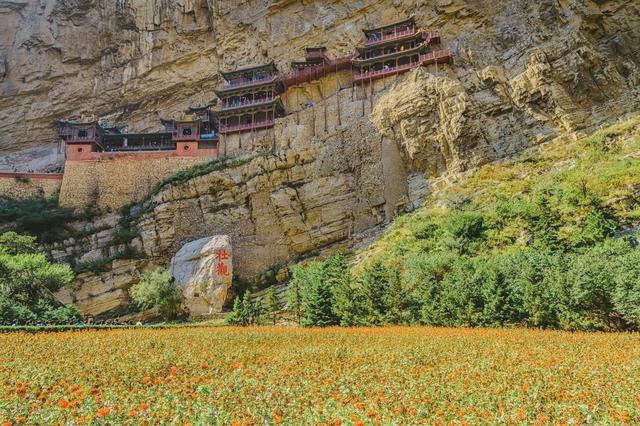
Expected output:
(249, 99)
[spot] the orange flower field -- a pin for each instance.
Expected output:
(245, 376)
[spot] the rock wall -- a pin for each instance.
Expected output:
(324, 184)
(96, 294)
(542, 67)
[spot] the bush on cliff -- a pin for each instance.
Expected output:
(36, 216)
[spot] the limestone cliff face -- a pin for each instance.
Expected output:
(523, 69)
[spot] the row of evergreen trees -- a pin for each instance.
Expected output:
(324, 293)
(247, 311)
(596, 289)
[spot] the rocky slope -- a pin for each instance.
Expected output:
(524, 73)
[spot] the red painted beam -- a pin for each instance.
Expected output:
(54, 176)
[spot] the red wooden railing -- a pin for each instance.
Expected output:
(315, 55)
(396, 35)
(79, 139)
(314, 73)
(249, 82)
(428, 37)
(248, 126)
(240, 104)
(439, 56)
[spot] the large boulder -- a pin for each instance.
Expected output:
(204, 270)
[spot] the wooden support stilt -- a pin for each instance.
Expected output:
(224, 153)
(324, 102)
(313, 112)
(371, 97)
(338, 107)
(273, 139)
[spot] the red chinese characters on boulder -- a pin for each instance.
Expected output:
(221, 267)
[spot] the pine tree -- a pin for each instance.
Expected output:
(318, 299)
(238, 315)
(375, 280)
(546, 225)
(271, 307)
(338, 278)
(294, 293)
(250, 310)
(395, 300)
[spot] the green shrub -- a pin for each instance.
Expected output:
(27, 283)
(464, 230)
(36, 216)
(157, 289)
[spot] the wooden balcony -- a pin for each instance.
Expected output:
(229, 106)
(372, 41)
(440, 56)
(248, 82)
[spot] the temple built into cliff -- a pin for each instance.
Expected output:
(194, 135)
(396, 48)
(250, 99)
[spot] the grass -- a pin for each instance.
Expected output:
(603, 167)
(282, 375)
(203, 169)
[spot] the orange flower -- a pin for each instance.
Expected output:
(277, 419)
(133, 413)
(63, 403)
(203, 365)
(7, 424)
(143, 406)
(21, 420)
(173, 371)
(104, 411)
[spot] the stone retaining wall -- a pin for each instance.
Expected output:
(26, 185)
(111, 182)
